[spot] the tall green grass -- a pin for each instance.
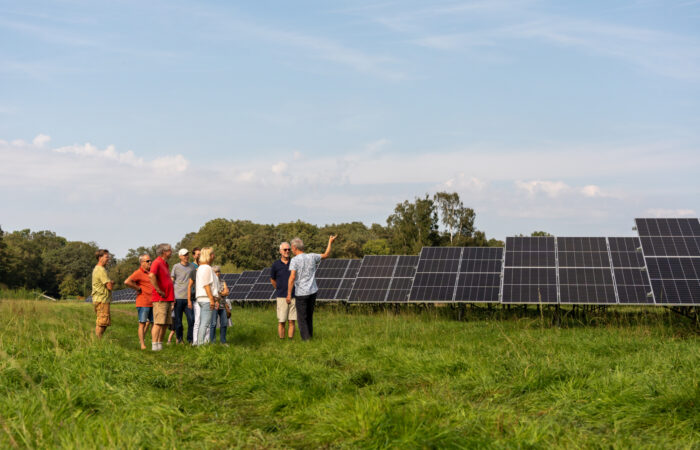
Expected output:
(413, 379)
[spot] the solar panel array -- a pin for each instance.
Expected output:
(629, 269)
(585, 274)
(530, 271)
(671, 250)
(329, 277)
(661, 266)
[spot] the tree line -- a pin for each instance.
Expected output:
(42, 260)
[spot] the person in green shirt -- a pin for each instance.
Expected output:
(102, 292)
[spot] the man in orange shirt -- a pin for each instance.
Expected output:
(141, 283)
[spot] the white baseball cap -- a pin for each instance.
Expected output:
(183, 252)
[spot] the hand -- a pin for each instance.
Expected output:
(332, 238)
(189, 304)
(161, 293)
(289, 301)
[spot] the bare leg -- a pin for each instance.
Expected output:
(148, 327)
(142, 332)
(163, 330)
(280, 330)
(291, 329)
(99, 331)
(170, 336)
(155, 333)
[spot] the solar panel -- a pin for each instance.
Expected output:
(530, 272)
(671, 249)
(243, 286)
(479, 277)
(348, 280)
(585, 275)
(329, 275)
(262, 288)
(668, 227)
(373, 278)
(402, 279)
(436, 274)
(629, 269)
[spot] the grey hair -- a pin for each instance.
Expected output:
(145, 255)
(285, 242)
(162, 248)
(216, 268)
(298, 243)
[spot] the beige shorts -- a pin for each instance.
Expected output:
(163, 313)
(104, 317)
(286, 311)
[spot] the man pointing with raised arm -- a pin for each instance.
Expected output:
(302, 278)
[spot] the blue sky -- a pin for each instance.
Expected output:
(130, 123)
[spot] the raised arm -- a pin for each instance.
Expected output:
(328, 249)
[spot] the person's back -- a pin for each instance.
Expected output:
(305, 266)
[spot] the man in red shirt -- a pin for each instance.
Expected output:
(141, 283)
(163, 295)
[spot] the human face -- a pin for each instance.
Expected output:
(146, 263)
(285, 250)
(195, 255)
(184, 258)
(104, 259)
(167, 254)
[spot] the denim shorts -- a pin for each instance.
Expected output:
(145, 314)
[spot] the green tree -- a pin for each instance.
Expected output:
(376, 247)
(457, 219)
(3, 259)
(540, 233)
(70, 287)
(413, 226)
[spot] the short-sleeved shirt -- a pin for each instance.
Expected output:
(280, 273)
(181, 278)
(100, 293)
(193, 277)
(305, 266)
(161, 270)
(140, 278)
(206, 276)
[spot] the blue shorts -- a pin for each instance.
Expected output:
(145, 314)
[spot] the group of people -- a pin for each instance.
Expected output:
(196, 290)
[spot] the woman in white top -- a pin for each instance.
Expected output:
(207, 292)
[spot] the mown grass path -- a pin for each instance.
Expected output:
(367, 380)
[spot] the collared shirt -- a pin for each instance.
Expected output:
(161, 270)
(305, 266)
(140, 278)
(280, 273)
(100, 293)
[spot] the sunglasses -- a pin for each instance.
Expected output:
(148, 260)
(286, 249)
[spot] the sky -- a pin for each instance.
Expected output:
(131, 123)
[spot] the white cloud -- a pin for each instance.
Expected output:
(592, 190)
(551, 188)
(377, 146)
(279, 168)
(176, 163)
(41, 139)
(661, 212)
(462, 182)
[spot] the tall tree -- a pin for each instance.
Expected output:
(413, 226)
(457, 219)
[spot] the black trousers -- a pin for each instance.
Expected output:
(181, 307)
(305, 315)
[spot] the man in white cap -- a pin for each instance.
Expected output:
(181, 278)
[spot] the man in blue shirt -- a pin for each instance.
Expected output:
(279, 277)
(302, 277)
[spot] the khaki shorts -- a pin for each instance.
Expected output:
(286, 311)
(104, 317)
(163, 313)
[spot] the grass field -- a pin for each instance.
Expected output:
(409, 380)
